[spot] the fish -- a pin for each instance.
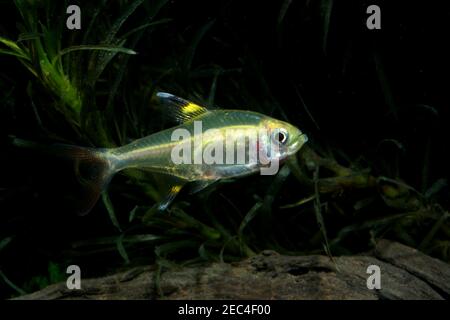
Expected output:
(201, 150)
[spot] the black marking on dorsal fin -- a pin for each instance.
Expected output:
(182, 110)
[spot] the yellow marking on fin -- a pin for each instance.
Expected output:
(183, 110)
(175, 189)
(193, 108)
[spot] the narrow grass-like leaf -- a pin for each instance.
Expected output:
(11, 284)
(426, 164)
(397, 143)
(433, 110)
(249, 217)
(121, 20)
(274, 188)
(158, 273)
(14, 49)
(431, 234)
(206, 231)
(318, 213)
(204, 253)
(398, 183)
(371, 224)
(170, 247)
(110, 208)
(99, 65)
(150, 24)
(11, 44)
(26, 36)
(132, 214)
(13, 53)
(153, 7)
(298, 203)
(5, 242)
(212, 91)
(284, 8)
(326, 7)
(121, 248)
(436, 187)
(384, 84)
(55, 273)
(195, 42)
(108, 241)
(306, 107)
(113, 49)
(99, 61)
(224, 246)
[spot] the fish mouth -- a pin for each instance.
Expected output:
(304, 137)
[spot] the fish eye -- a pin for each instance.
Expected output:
(280, 136)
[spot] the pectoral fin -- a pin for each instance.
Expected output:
(176, 188)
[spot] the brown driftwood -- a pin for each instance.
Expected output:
(405, 274)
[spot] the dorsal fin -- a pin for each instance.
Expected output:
(182, 110)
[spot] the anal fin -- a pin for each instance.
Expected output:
(173, 191)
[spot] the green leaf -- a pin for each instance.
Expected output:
(283, 11)
(171, 247)
(118, 23)
(212, 91)
(109, 48)
(14, 49)
(12, 53)
(11, 284)
(29, 36)
(299, 203)
(326, 7)
(195, 42)
(205, 254)
(385, 85)
(204, 230)
(11, 44)
(121, 248)
(54, 272)
(436, 188)
(110, 208)
(431, 234)
(318, 213)
(132, 214)
(150, 24)
(271, 194)
(153, 7)
(5, 242)
(249, 217)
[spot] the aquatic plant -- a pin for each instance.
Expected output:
(94, 88)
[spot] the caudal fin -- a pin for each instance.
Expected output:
(93, 169)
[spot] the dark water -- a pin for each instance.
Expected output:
(374, 99)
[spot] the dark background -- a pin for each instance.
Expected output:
(376, 99)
